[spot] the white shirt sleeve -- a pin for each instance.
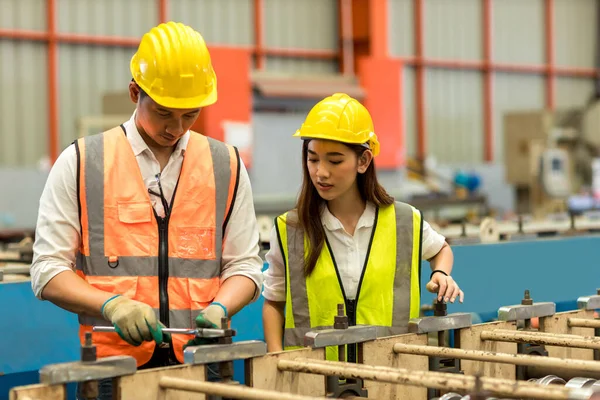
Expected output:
(241, 242)
(432, 242)
(57, 233)
(274, 288)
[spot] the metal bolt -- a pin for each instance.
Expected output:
(340, 321)
(440, 308)
(88, 350)
(527, 300)
(598, 291)
(224, 323)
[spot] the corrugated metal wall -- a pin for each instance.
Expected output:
(23, 110)
(454, 115)
(452, 29)
(85, 75)
(220, 21)
(306, 24)
(23, 14)
(129, 18)
(576, 46)
(23, 77)
(518, 30)
(454, 100)
(401, 27)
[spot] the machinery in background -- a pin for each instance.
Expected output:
(549, 156)
(16, 254)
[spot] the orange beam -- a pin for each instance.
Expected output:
(549, 15)
(296, 53)
(420, 80)
(346, 56)
(500, 67)
(488, 95)
(22, 34)
(53, 138)
(116, 41)
(259, 10)
(163, 11)
(119, 41)
(378, 23)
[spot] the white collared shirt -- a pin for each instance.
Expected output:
(349, 251)
(57, 234)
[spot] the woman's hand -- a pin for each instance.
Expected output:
(445, 287)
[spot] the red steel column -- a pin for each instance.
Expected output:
(550, 60)
(488, 94)
(259, 9)
(163, 11)
(420, 80)
(53, 126)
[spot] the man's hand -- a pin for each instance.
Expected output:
(210, 317)
(445, 287)
(135, 322)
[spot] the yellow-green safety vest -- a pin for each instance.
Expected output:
(389, 288)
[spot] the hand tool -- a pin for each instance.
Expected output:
(199, 332)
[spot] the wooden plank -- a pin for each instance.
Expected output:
(263, 373)
(38, 392)
(470, 339)
(379, 353)
(144, 384)
(558, 324)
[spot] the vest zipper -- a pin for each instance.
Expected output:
(163, 268)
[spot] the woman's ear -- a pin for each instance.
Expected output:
(364, 161)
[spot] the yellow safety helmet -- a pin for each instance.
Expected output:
(341, 118)
(172, 65)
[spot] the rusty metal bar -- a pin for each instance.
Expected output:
(228, 390)
(503, 358)
(434, 380)
(583, 323)
(560, 340)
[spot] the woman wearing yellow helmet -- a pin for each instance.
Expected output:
(347, 241)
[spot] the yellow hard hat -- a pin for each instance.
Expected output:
(341, 118)
(172, 65)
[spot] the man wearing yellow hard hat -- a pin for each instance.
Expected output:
(148, 224)
(347, 241)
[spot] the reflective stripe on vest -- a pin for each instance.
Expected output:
(389, 290)
(120, 234)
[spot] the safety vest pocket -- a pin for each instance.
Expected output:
(194, 242)
(134, 212)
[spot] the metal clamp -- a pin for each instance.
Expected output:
(338, 337)
(589, 302)
(438, 324)
(526, 310)
(81, 371)
(212, 353)
(89, 370)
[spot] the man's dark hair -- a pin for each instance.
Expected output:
(142, 93)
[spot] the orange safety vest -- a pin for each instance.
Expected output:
(171, 264)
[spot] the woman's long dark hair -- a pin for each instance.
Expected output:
(309, 203)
